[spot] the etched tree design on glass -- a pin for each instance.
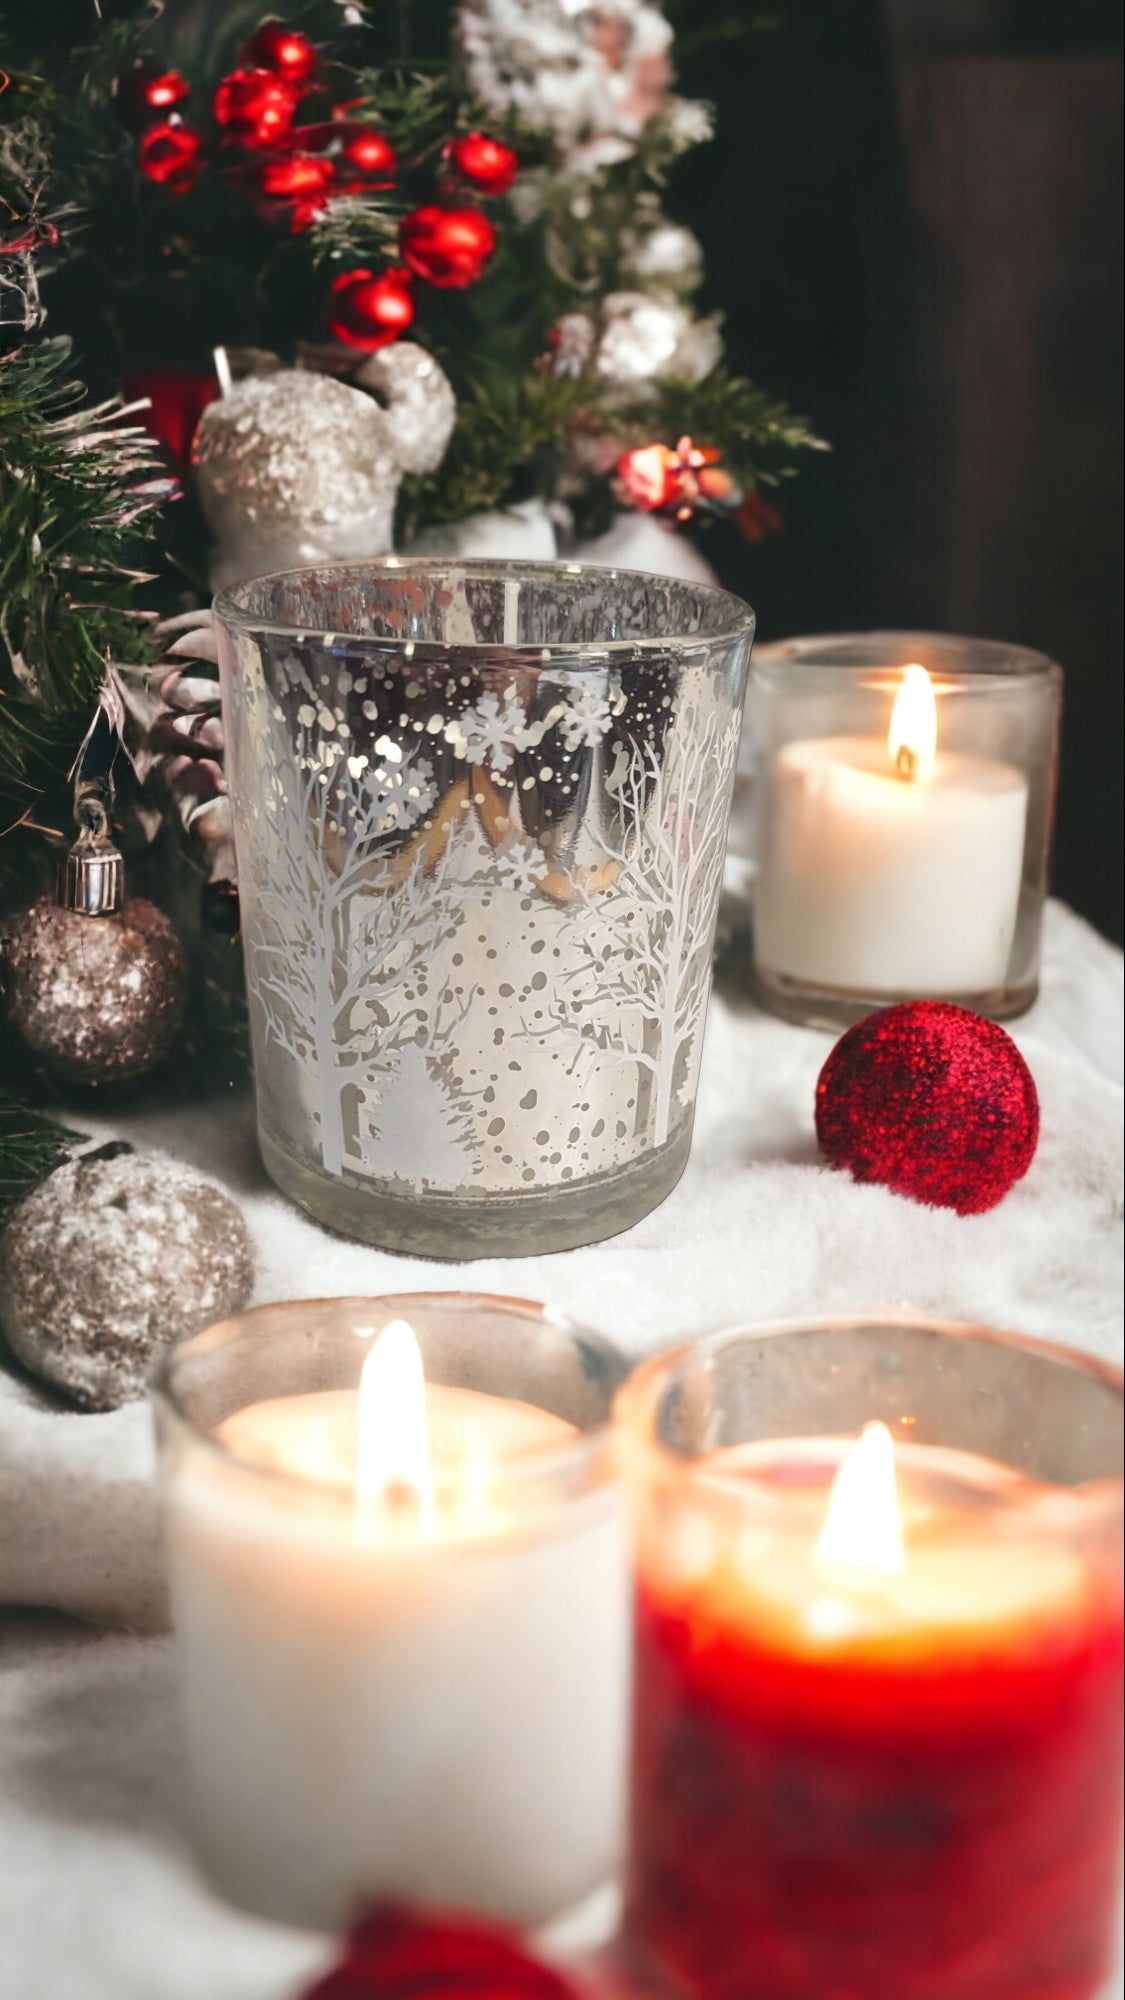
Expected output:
(346, 934)
(640, 948)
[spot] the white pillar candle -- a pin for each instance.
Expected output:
(411, 1683)
(889, 869)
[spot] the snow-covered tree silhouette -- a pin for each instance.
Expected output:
(639, 949)
(343, 925)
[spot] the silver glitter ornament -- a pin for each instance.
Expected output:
(94, 985)
(296, 467)
(109, 1259)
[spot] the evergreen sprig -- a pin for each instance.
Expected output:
(79, 487)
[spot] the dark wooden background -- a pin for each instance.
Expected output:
(912, 216)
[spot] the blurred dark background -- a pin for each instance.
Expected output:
(912, 217)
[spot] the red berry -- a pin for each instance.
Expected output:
(449, 247)
(283, 50)
(368, 311)
(144, 93)
(256, 107)
(171, 154)
(483, 162)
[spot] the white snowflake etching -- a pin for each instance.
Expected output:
(494, 728)
(587, 716)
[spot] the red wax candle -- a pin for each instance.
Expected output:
(898, 1781)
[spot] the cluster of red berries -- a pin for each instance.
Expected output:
(291, 170)
(681, 480)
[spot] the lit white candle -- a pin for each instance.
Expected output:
(891, 867)
(401, 1619)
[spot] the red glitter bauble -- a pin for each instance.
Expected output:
(397, 1955)
(283, 50)
(483, 162)
(367, 152)
(370, 312)
(932, 1101)
(449, 247)
(171, 154)
(144, 93)
(256, 107)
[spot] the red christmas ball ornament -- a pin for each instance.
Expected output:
(448, 247)
(256, 107)
(932, 1101)
(303, 181)
(171, 154)
(395, 1955)
(371, 157)
(483, 162)
(144, 93)
(368, 311)
(283, 50)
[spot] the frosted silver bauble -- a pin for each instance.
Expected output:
(98, 999)
(295, 467)
(110, 1259)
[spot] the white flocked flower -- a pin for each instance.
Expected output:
(653, 336)
(590, 75)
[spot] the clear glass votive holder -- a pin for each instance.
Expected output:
(904, 805)
(877, 1736)
(392, 1689)
(481, 813)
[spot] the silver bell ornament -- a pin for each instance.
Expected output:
(94, 983)
(296, 467)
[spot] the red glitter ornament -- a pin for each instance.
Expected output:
(144, 93)
(368, 311)
(449, 247)
(171, 154)
(483, 162)
(283, 50)
(934, 1102)
(256, 107)
(394, 1955)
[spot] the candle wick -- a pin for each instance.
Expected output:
(906, 761)
(398, 1496)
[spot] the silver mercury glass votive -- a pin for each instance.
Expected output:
(481, 814)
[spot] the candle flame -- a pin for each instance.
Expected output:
(393, 1454)
(912, 737)
(862, 1526)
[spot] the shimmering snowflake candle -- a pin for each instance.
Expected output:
(481, 816)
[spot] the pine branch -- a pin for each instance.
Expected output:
(79, 485)
(31, 1146)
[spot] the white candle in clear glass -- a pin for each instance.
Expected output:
(410, 1682)
(891, 867)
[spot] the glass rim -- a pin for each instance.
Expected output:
(1002, 666)
(737, 622)
(537, 1462)
(635, 1404)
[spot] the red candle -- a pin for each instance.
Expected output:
(878, 1758)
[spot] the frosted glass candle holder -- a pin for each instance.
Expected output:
(380, 1698)
(481, 815)
(904, 804)
(878, 1713)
